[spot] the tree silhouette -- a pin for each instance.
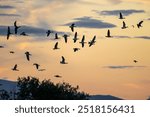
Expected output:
(148, 98)
(4, 95)
(30, 88)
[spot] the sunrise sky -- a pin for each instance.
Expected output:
(105, 68)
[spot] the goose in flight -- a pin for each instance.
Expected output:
(72, 27)
(75, 37)
(49, 32)
(12, 52)
(56, 46)
(16, 27)
(135, 61)
(8, 33)
(76, 49)
(108, 34)
(28, 55)
(140, 24)
(124, 25)
(63, 61)
(83, 41)
(121, 16)
(15, 68)
(1, 46)
(57, 76)
(24, 34)
(36, 65)
(92, 42)
(65, 37)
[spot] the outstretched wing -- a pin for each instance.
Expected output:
(140, 23)
(15, 23)
(56, 45)
(63, 59)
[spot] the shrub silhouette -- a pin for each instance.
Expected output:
(4, 95)
(30, 88)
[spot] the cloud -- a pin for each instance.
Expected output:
(148, 19)
(27, 29)
(123, 67)
(6, 7)
(88, 22)
(143, 37)
(115, 1)
(121, 37)
(32, 31)
(16, 15)
(116, 12)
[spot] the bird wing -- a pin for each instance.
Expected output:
(8, 32)
(47, 34)
(56, 36)
(82, 44)
(65, 37)
(15, 67)
(83, 38)
(108, 33)
(15, 23)
(75, 36)
(124, 24)
(121, 15)
(63, 59)
(28, 56)
(8, 36)
(72, 28)
(37, 66)
(93, 40)
(140, 23)
(56, 45)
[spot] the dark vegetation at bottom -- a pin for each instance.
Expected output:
(31, 88)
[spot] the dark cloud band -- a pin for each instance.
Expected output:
(88, 22)
(116, 12)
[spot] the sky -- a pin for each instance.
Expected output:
(105, 68)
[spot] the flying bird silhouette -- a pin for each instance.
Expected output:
(124, 25)
(108, 34)
(135, 61)
(65, 37)
(57, 76)
(49, 32)
(72, 27)
(8, 32)
(140, 24)
(83, 41)
(92, 42)
(121, 16)
(56, 46)
(16, 27)
(15, 68)
(63, 61)
(75, 37)
(12, 52)
(76, 49)
(24, 34)
(28, 55)
(36, 65)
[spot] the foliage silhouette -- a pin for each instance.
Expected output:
(4, 95)
(30, 88)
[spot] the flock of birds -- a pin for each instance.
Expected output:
(65, 36)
